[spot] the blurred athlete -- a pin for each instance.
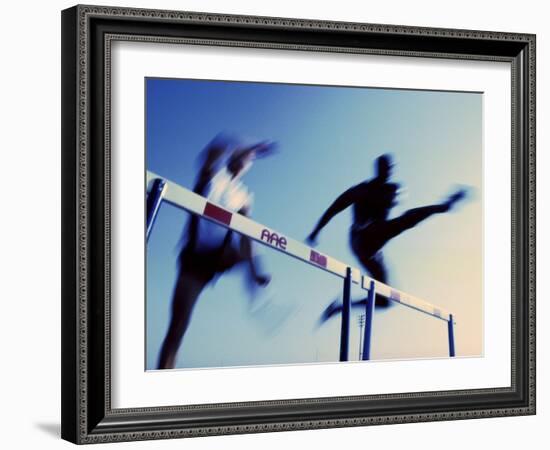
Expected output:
(210, 249)
(372, 202)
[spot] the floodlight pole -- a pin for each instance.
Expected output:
(450, 327)
(361, 324)
(346, 312)
(154, 200)
(369, 313)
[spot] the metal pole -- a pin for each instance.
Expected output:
(450, 327)
(346, 312)
(369, 313)
(154, 200)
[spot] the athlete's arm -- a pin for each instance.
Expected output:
(208, 169)
(342, 202)
(206, 173)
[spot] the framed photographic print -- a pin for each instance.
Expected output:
(280, 224)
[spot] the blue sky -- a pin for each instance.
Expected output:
(328, 138)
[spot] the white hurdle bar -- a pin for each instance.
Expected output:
(161, 189)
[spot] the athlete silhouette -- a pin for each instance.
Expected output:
(372, 202)
(209, 249)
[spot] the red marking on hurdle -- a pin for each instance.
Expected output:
(317, 258)
(217, 213)
(394, 295)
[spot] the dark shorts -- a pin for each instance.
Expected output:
(208, 264)
(369, 240)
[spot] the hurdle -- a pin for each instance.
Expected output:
(160, 190)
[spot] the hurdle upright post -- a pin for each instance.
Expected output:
(369, 313)
(154, 200)
(450, 327)
(346, 313)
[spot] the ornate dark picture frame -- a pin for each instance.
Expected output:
(87, 415)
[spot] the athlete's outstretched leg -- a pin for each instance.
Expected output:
(413, 217)
(186, 293)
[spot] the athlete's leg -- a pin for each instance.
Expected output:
(246, 255)
(413, 217)
(186, 293)
(410, 219)
(366, 244)
(377, 269)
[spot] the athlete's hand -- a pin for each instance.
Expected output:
(262, 280)
(312, 240)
